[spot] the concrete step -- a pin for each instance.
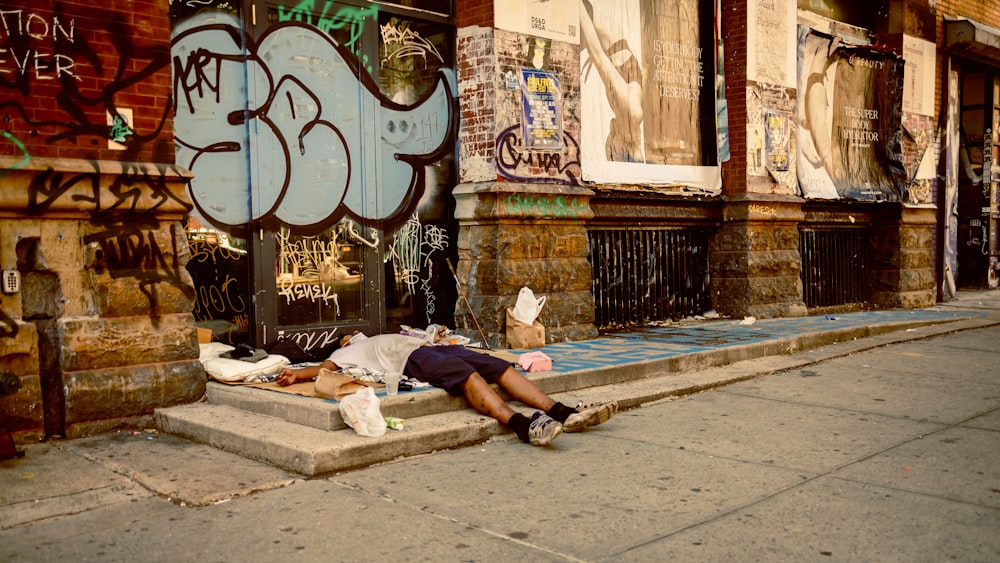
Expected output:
(311, 451)
(324, 414)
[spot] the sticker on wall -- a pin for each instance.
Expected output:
(510, 80)
(552, 19)
(755, 150)
(538, 52)
(119, 128)
(777, 131)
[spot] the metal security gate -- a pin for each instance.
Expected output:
(643, 276)
(835, 266)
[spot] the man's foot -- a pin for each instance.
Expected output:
(543, 429)
(590, 415)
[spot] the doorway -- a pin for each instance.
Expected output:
(322, 142)
(979, 176)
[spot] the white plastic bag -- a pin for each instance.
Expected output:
(528, 307)
(361, 412)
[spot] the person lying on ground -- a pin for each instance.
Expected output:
(465, 373)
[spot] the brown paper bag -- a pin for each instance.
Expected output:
(522, 335)
(335, 385)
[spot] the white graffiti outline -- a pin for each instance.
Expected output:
(410, 43)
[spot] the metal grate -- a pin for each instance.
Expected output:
(835, 266)
(642, 276)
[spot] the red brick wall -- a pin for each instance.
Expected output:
(477, 105)
(982, 11)
(734, 34)
(83, 58)
(474, 12)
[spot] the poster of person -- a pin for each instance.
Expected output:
(850, 120)
(647, 76)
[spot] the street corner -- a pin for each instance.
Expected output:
(49, 482)
(184, 472)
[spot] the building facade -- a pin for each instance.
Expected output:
(302, 168)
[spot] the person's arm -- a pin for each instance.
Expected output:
(289, 376)
(624, 97)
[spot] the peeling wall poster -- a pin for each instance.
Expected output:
(541, 110)
(850, 120)
(920, 75)
(776, 126)
(647, 73)
(771, 41)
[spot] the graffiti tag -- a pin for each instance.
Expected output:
(518, 164)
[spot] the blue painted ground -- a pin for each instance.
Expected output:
(655, 343)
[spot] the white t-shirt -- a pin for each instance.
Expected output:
(383, 352)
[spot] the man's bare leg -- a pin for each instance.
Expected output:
(484, 399)
(538, 430)
(524, 390)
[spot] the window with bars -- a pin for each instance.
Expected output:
(835, 266)
(643, 276)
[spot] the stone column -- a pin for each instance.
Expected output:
(903, 256)
(755, 257)
(101, 332)
(525, 235)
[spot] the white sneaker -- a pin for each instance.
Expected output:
(543, 429)
(591, 415)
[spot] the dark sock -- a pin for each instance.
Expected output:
(519, 424)
(560, 412)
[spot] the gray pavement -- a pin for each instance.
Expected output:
(879, 449)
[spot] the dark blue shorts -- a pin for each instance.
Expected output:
(448, 367)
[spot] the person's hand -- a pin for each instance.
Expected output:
(286, 377)
(441, 333)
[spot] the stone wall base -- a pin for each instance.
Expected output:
(755, 258)
(903, 257)
(101, 332)
(524, 235)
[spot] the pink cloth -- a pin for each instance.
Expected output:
(534, 361)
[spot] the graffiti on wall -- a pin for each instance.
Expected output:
(307, 105)
(137, 183)
(23, 150)
(86, 71)
(417, 254)
(8, 327)
(528, 205)
(66, 72)
(330, 18)
(401, 42)
(522, 165)
(314, 340)
(297, 110)
(219, 272)
(128, 248)
(316, 259)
